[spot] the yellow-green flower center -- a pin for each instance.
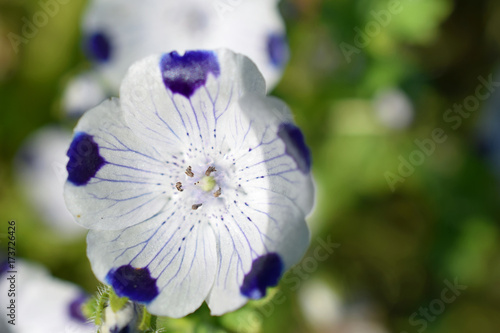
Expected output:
(207, 183)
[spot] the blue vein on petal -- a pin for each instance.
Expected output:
(185, 74)
(84, 159)
(98, 47)
(134, 283)
(277, 49)
(296, 147)
(75, 308)
(266, 272)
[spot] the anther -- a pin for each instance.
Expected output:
(189, 172)
(209, 171)
(217, 193)
(178, 186)
(196, 206)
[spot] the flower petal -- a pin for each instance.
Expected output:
(168, 263)
(98, 46)
(263, 233)
(265, 272)
(185, 74)
(272, 156)
(114, 179)
(177, 101)
(259, 239)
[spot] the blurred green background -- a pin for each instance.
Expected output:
(397, 249)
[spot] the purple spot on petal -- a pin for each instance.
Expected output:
(277, 48)
(295, 146)
(4, 267)
(75, 308)
(27, 156)
(184, 74)
(84, 159)
(266, 272)
(98, 47)
(134, 283)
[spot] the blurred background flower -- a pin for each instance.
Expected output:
(439, 221)
(117, 33)
(44, 303)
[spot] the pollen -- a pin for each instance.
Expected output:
(209, 171)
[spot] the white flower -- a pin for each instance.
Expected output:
(41, 173)
(124, 320)
(326, 311)
(82, 93)
(43, 304)
(119, 32)
(196, 184)
(320, 304)
(393, 108)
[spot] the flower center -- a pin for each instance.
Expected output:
(207, 183)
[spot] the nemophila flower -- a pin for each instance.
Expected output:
(124, 320)
(82, 93)
(393, 108)
(40, 168)
(43, 304)
(118, 32)
(195, 184)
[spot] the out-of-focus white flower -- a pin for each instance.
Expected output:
(321, 305)
(325, 311)
(393, 109)
(119, 32)
(124, 320)
(82, 93)
(43, 304)
(196, 185)
(40, 168)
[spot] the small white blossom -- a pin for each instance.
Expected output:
(195, 184)
(393, 109)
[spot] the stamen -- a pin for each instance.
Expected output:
(209, 171)
(189, 172)
(217, 193)
(196, 206)
(178, 186)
